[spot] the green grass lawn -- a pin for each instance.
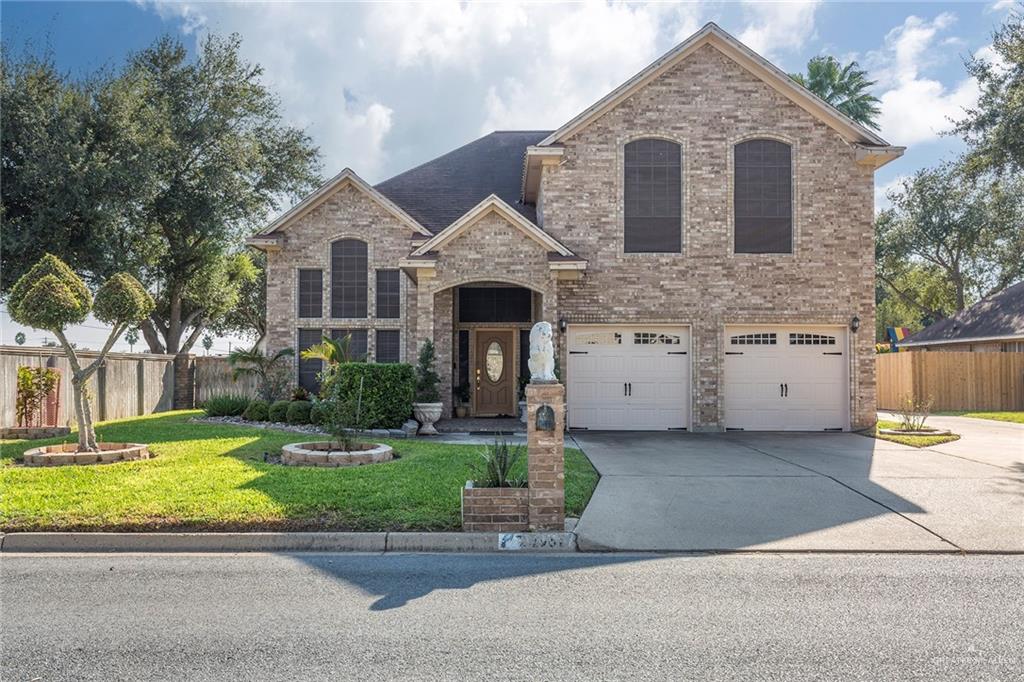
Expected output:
(212, 477)
(915, 441)
(1016, 417)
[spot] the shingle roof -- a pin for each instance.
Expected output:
(999, 315)
(439, 192)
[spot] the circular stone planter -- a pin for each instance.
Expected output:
(66, 454)
(929, 432)
(325, 454)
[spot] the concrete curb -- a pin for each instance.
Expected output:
(287, 542)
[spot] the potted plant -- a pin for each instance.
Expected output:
(427, 408)
(497, 498)
(462, 396)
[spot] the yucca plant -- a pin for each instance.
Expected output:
(498, 461)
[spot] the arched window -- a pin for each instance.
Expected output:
(348, 278)
(653, 197)
(763, 197)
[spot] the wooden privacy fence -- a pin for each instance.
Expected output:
(126, 385)
(953, 380)
(212, 376)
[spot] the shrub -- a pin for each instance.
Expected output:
(258, 411)
(426, 377)
(499, 460)
(318, 413)
(298, 412)
(227, 405)
(386, 397)
(913, 412)
(300, 393)
(279, 410)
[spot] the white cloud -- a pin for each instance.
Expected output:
(1002, 5)
(882, 191)
(916, 108)
(384, 86)
(777, 27)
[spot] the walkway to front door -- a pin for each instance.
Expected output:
(493, 375)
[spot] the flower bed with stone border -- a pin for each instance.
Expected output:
(68, 454)
(325, 454)
(33, 432)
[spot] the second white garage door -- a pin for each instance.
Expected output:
(780, 378)
(629, 377)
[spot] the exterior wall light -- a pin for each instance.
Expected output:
(854, 324)
(562, 324)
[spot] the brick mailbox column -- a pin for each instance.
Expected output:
(546, 457)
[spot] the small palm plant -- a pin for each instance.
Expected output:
(271, 371)
(498, 462)
(332, 351)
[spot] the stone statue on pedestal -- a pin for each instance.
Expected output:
(542, 354)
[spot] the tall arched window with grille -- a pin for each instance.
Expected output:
(653, 191)
(763, 197)
(348, 278)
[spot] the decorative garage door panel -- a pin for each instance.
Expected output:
(786, 378)
(629, 378)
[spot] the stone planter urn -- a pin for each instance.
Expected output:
(427, 415)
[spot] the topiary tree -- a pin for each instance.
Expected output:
(51, 296)
(426, 378)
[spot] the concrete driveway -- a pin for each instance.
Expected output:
(804, 492)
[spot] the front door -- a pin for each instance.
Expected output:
(495, 385)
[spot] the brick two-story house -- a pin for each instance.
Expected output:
(701, 239)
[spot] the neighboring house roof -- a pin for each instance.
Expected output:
(324, 192)
(441, 191)
(1000, 316)
(775, 77)
(495, 204)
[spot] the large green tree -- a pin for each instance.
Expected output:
(173, 162)
(948, 239)
(994, 128)
(847, 88)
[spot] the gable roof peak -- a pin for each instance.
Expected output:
(714, 35)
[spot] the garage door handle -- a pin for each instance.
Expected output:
(631, 388)
(624, 392)
(787, 390)
(781, 393)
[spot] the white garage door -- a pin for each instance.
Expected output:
(629, 377)
(786, 378)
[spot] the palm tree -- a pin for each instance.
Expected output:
(844, 87)
(332, 351)
(270, 371)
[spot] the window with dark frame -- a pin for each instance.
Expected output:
(348, 278)
(388, 345)
(357, 348)
(309, 370)
(311, 293)
(653, 190)
(495, 304)
(388, 294)
(763, 197)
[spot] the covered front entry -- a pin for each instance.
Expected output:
(786, 378)
(493, 381)
(629, 377)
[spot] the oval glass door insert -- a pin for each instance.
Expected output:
(495, 361)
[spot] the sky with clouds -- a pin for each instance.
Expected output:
(382, 87)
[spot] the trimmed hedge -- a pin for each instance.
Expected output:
(298, 412)
(387, 392)
(227, 405)
(258, 411)
(278, 411)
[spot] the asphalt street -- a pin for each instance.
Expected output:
(497, 617)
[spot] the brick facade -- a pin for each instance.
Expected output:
(707, 103)
(828, 279)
